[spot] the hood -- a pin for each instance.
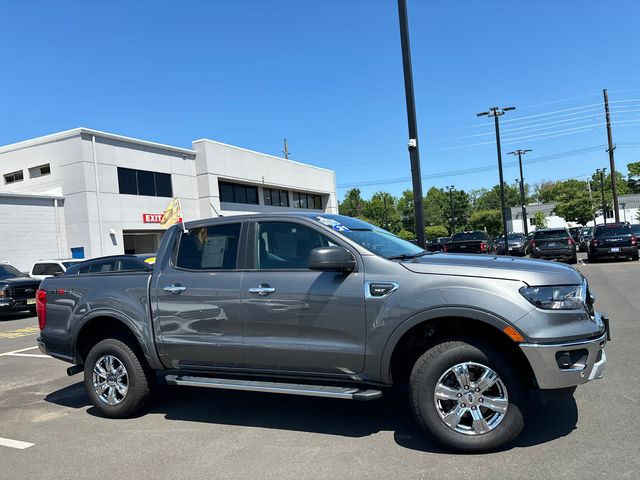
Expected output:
(19, 281)
(529, 271)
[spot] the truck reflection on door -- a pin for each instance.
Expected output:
(145, 241)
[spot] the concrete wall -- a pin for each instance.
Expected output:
(28, 230)
(216, 161)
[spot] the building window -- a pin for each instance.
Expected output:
(277, 198)
(142, 182)
(610, 214)
(307, 200)
(238, 193)
(13, 177)
(39, 171)
(532, 221)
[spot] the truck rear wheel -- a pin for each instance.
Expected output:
(116, 380)
(467, 396)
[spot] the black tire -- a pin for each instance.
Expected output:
(32, 311)
(573, 260)
(140, 379)
(433, 364)
(635, 257)
(591, 259)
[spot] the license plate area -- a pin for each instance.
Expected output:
(615, 249)
(31, 301)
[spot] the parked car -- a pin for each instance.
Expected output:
(48, 268)
(575, 233)
(585, 237)
(470, 242)
(554, 244)
(114, 263)
(635, 229)
(613, 240)
(17, 291)
(438, 244)
(527, 248)
(330, 306)
(517, 244)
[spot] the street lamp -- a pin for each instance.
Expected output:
(450, 188)
(496, 113)
(604, 207)
(522, 200)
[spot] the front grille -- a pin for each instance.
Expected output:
(28, 291)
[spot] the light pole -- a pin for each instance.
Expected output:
(414, 155)
(522, 199)
(497, 112)
(604, 206)
(452, 220)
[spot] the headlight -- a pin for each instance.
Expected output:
(563, 297)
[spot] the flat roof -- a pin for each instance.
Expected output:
(89, 131)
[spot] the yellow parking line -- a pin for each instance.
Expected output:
(20, 332)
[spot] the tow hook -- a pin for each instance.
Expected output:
(71, 371)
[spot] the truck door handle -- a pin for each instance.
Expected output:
(262, 290)
(175, 289)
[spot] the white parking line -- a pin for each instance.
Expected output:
(32, 355)
(7, 442)
(17, 351)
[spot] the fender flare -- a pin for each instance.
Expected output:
(458, 311)
(150, 355)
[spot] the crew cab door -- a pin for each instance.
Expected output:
(296, 319)
(197, 294)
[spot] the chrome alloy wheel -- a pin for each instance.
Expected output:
(471, 398)
(110, 380)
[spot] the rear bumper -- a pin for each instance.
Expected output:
(607, 253)
(553, 254)
(543, 359)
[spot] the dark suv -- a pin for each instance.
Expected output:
(613, 240)
(554, 244)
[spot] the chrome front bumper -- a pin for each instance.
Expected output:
(543, 361)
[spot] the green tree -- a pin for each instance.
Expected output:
(490, 199)
(435, 231)
(489, 220)
(407, 211)
(634, 177)
(436, 207)
(353, 205)
(623, 189)
(540, 220)
(382, 211)
(406, 235)
(573, 201)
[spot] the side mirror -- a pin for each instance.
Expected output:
(331, 259)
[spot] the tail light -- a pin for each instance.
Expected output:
(444, 248)
(634, 240)
(41, 308)
(483, 247)
(571, 241)
(533, 244)
(594, 242)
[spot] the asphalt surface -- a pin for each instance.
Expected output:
(200, 433)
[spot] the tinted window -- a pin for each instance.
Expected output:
(39, 269)
(127, 181)
(238, 193)
(7, 271)
(612, 229)
(163, 185)
(69, 264)
(551, 234)
(284, 245)
(209, 248)
(102, 267)
(130, 264)
(146, 183)
(635, 229)
(464, 236)
(52, 269)
(14, 177)
(277, 198)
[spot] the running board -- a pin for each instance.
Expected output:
(346, 393)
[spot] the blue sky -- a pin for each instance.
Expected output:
(327, 74)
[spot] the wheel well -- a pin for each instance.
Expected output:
(101, 328)
(423, 336)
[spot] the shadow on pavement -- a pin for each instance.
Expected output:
(318, 415)
(15, 316)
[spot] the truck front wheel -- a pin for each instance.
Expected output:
(467, 396)
(116, 380)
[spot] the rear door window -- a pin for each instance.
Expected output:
(39, 269)
(53, 269)
(209, 248)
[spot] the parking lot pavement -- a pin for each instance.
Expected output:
(199, 433)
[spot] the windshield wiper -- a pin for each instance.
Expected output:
(406, 256)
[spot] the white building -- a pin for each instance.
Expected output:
(84, 193)
(629, 207)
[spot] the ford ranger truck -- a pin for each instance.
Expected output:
(330, 306)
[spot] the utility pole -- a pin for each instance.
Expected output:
(286, 150)
(522, 199)
(612, 162)
(604, 206)
(414, 154)
(452, 222)
(497, 112)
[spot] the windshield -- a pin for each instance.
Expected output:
(513, 236)
(551, 234)
(635, 228)
(374, 239)
(69, 264)
(612, 229)
(7, 271)
(463, 236)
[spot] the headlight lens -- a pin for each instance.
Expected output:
(562, 297)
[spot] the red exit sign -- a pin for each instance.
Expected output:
(152, 217)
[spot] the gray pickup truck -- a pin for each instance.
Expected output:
(330, 306)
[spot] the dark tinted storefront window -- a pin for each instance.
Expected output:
(143, 182)
(238, 193)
